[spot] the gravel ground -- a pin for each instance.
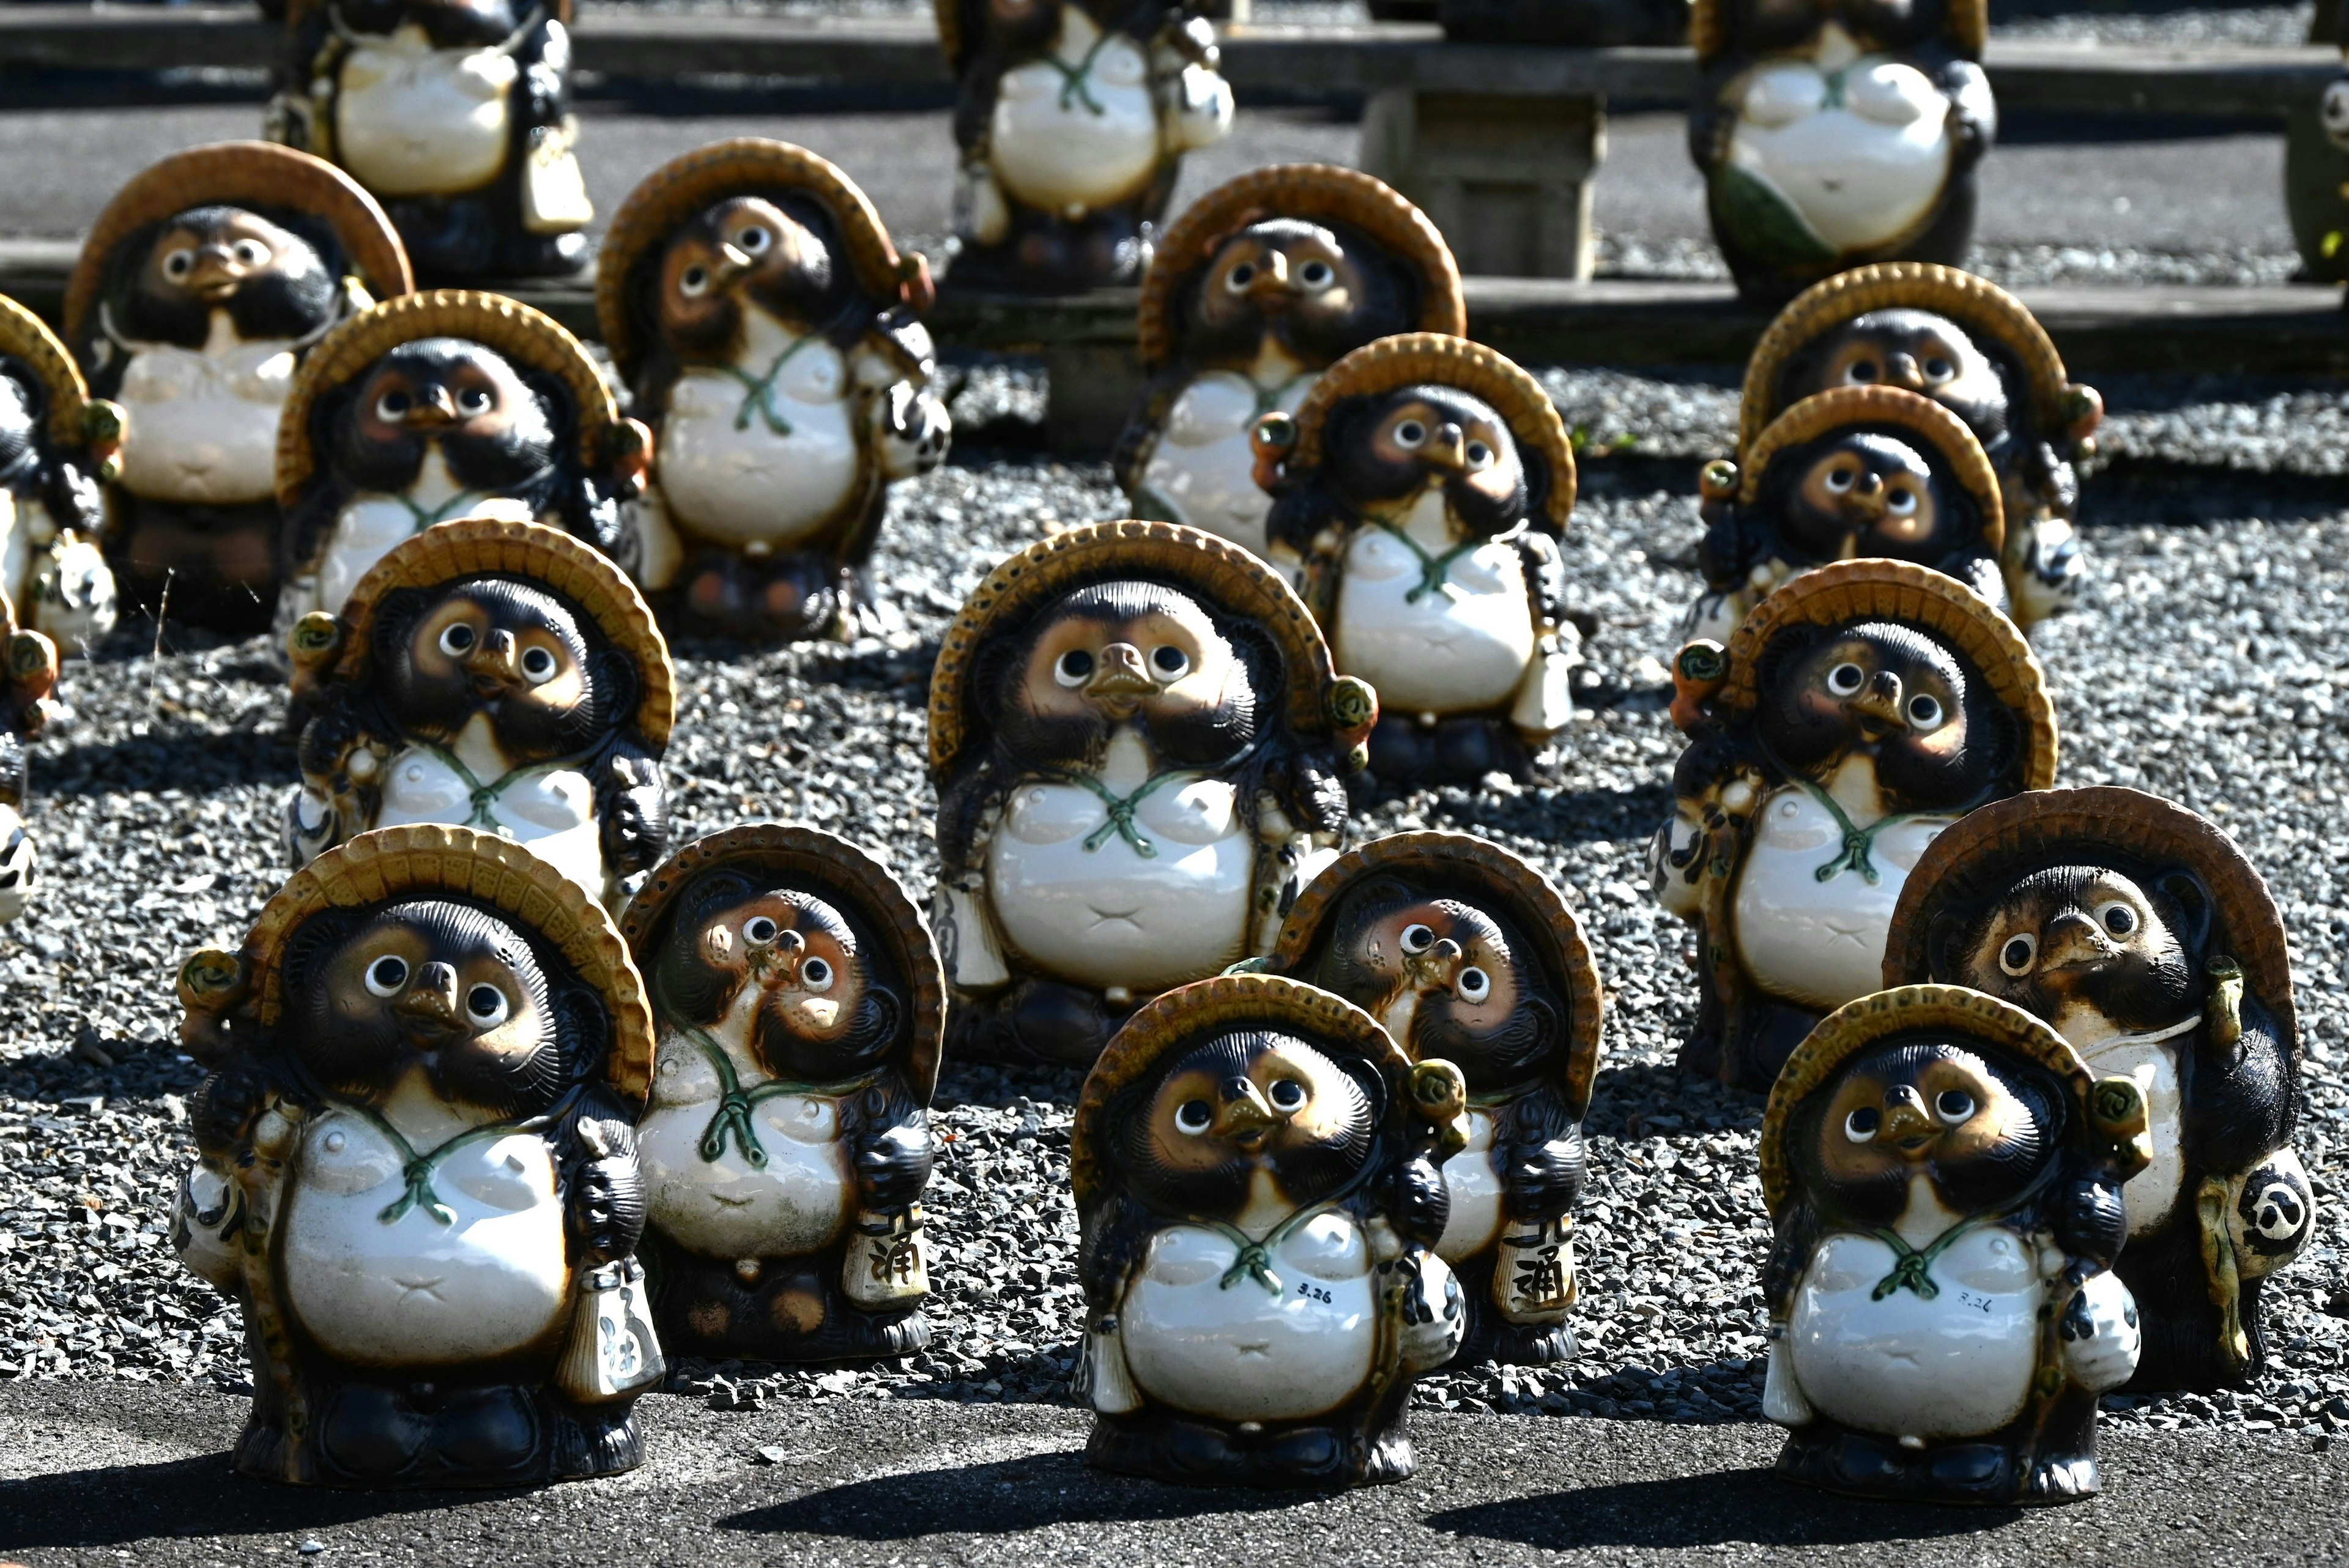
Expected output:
(157, 795)
(1685, 258)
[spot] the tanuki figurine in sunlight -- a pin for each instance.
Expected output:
(1944, 1183)
(59, 445)
(2141, 934)
(416, 1169)
(800, 1008)
(1137, 743)
(499, 675)
(1860, 711)
(27, 681)
(1464, 953)
(1259, 1185)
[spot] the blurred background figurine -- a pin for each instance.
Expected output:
(58, 447)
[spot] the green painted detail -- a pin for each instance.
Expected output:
(1857, 841)
(1760, 220)
(1434, 571)
(1913, 1267)
(735, 1103)
(759, 396)
(1121, 808)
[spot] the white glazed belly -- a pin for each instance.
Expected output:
(1203, 466)
(2152, 1193)
(1864, 171)
(728, 473)
(551, 813)
(417, 1292)
(413, 120)
(1109, 915)
(1475, 1188)
(1246, 1352)
(1443, 653)
(1051, 150)
(798, 1202)
(1820, 944)
(371, 522)
(1959, 1365)
(202, 426)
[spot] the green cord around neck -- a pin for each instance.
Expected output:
(485, 797)
(1121, 808)
(1434, 571)
(424, 517)
(1073, 78)
(1255, 1259)
(417, 1169)
(1857, 841)
(735, 1103)
(760, 396)
(1913, 1267)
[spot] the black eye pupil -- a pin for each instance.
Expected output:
(816, 971)
(1863, 1122)
(2018, 953)
(1169, 660)
(389, 972)
(1195, 1114)
(2120, 922)
(1863, 371)
(395, 401)
(760, 930)
(1076, 664)
(1955, 1104)
(484, 1001)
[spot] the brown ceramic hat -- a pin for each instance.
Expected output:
(1917, 418)
(1981, 307)
(1185, 1015)
(74, 417)
(1917, 596)
(744, 166)
(1227, 577)
(1965, 27)
(483, 546)
(1857, 1025)
(509, 326)
(1479, 872)
(1988, 851)
(809, 859)
(1416, 359)
(256, 174)
(429, 861)
(1311, 191)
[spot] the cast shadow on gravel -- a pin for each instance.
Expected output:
(196, 762)
(1002, 1498)
(114, 1505)
(1744, 1506)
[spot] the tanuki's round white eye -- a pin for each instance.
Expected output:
(1417, 938)
(1074, 667)
(1900, 501)
(2117, 917)
(386, 975)
(2019, 952)
(1474, 985)
(1937, 369)
(537, 666)
(1862, 373)
(392, 407)
(474, 401)
(1239, 277)
(815, 975)
(1840, 480)
(758, 930)
(1953, 1106)
(1410, 433)
(1480, 456)
(486, 1005)
(252, 253)
(1287, 1096)
(456, 640)
(1169, 660)
(1925, 713)
(755, 239)
(694, 282)
(1861, 1124)
(178, 263)
(1193, 1116)
(1317, 276)
(1845, 680)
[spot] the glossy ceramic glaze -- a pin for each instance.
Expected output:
(1475, 1188)
(748, 468)
(1451, 649)
(370, 524)
(1858, 145)
(2152, 1193)
(1202, 469)
(202, 423)
(1086, 136)
(797, 1202)
(550, 809)
(413, 120)
(1820, 943)
(19, 865)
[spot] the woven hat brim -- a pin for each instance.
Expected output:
(256, 175)
(826, 864)
(1228, 577)
(1309, 191)
(479, 547)
(743, 166)
(1915, 595)
(1855, 1026)
(1417, 359)
(508, 326)
(1985, 852)
(26, 337)
(1847, 408)
(1477, 871)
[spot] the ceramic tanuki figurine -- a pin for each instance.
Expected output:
(58, 446)
(1425, 485)
(800, 1008)
(1258, 1180)
(201, 288)
(1980, 353)
(1838, 133)
(1463, 953)
(2141, 934)
(1137, 740)
(456, 117)
(1858, 473)
(25, 684)
(1072, 117)
(1944, 1182)
(439, 406)
(1860, 711)
(415, 1168)
(770, 335)
(497, 675)
(1259, 287)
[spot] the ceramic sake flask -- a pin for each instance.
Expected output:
(200, 289)
(1855, 472)
(1834, 135)
(771, 335)
(2142, 935)
(1423, 489)
(1944, 1181)
(58, 446)
(1463, 953)
(25, 705)
(416, 1169)
(1072, 117)
(494, 675)
(1860, 711)
(800, 1008)
(1137, 742)
(1259, 1185)
(437, 406)
(456, 117)
(1980, 353)
(1261, 285)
